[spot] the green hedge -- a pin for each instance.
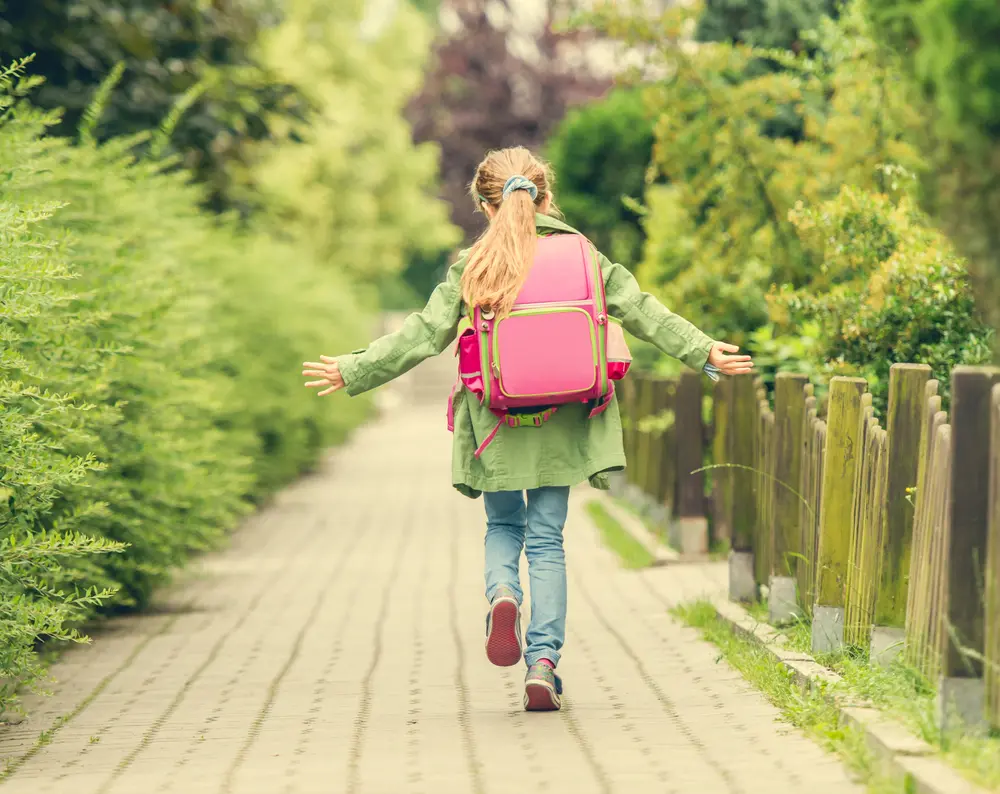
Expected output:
(892, 290)
(149, 375)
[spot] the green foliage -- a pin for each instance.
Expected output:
(166, 49)
(949, 49)
(346, 178)
(891, 289)
(148, 374)
(720, 236)
(601, 153)
(757, 239)
(762, 23)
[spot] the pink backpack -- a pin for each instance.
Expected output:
(552, 349)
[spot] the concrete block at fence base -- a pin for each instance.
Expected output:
(827, 629)
(887, 645)
(742, 582)
(961, 705)
(617, 484)
(634, 496)
(692, 535)
(782, 605)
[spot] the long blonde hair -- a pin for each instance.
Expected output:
(501, 258)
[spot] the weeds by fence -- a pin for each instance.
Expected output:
(886, 536)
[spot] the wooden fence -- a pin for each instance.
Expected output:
(886, 536)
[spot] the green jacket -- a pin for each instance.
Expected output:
(566, 450)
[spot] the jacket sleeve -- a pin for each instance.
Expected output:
(645, 317)
(423, 334)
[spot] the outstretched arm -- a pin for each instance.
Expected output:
(646, 318)
(422, 335)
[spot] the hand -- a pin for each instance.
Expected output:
(728, 364)
(329, 373)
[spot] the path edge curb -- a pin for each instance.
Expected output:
(894, 746)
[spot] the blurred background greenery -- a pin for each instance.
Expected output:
(199, 194)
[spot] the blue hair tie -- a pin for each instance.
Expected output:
(519, 183)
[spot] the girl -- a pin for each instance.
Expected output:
(513, 189)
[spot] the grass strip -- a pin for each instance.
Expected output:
(629, 550)
(809, 711)
(903, 692)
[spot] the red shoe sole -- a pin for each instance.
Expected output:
(503, 646)
(538, 697)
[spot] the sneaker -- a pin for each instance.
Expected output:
(542, 689)
(503, 629)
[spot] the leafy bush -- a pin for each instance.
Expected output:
(892, 289)
(733, 184)
(601, 153)
(758, 240)
(148, 383)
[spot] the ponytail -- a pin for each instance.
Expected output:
(514, 184)
(501, 259)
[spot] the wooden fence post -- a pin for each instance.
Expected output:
(867, 532)
(961, 693)
(643, 409)
(789, 445)
(904, 425)
(763, 544)
(742, 583)
(919, 565)
(651, 442)
(689, 437)
(811, 490)
(992, 654)
(626, 408)
(722, 478)
(668, 484)
(840, 467)
(926, 567)
(660, 450)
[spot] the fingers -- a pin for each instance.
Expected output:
(331, 390)
(316, 383)
(329, 359)
(314, 365)
(725, 347)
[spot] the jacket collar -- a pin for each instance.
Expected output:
(548, 222)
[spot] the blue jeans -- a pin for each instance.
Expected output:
(536, 527)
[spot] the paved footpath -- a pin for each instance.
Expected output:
(337, 647)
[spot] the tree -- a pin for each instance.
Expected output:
(601, 153)
(168, 49)
(949, 50)
(763, 23)
(346, 179)
(490, 86)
